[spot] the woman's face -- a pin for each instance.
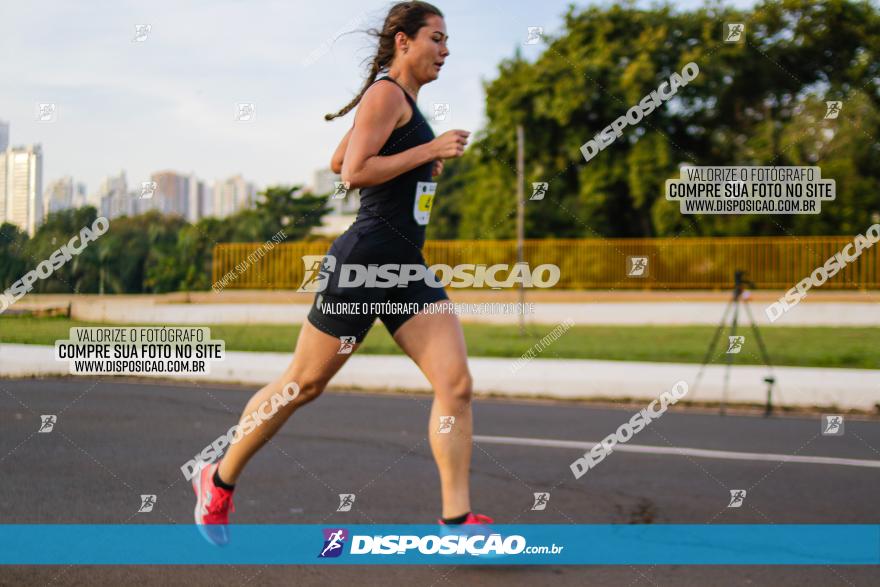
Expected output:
(427, 52)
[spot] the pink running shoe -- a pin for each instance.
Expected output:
(213, 505)
(473, 525)
(472, 518)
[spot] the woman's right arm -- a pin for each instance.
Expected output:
(380, 109)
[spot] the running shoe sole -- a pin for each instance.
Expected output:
(222, 537)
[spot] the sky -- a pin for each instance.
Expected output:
(169, 101)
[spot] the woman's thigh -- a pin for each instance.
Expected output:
(435, 341)
(317, 358)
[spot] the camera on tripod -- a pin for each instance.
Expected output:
(740, 283)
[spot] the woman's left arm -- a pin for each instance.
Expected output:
(339, 155)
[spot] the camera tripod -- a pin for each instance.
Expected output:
(739, 284)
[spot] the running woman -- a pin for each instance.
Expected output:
(392, 155)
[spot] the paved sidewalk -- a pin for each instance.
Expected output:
(829, 308)
(608, 313)
(545, 378)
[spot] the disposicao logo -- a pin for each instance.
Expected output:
(334, 542)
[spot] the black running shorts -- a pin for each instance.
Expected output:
(351, 311)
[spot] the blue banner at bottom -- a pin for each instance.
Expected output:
(524, 544)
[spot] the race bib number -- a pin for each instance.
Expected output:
(424, 200)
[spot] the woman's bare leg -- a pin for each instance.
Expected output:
(316, 360)
(436, 343)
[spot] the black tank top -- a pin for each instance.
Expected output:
(400, 208)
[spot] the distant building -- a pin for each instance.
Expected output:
(325, 181)
(4, 135)
(114, 199)
(80, 195)
(174, 194)
(325, 184)
(232, 195)
(196, 199)
(21, 186)
(171, 195)
(342, 210)
(63, 194)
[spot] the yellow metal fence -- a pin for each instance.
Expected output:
(673, 263)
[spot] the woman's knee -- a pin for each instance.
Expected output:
(303, 390)
(458, 389)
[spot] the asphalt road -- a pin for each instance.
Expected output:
(116, 439)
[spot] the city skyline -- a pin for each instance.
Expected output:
(168, 191)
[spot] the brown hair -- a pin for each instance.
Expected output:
(405, 17)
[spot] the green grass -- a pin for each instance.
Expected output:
(807, 347)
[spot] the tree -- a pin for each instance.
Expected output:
(751, 104)
(12, 261)
(279, 209)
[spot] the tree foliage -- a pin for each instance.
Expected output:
(760, 102)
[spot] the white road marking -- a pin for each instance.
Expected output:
(683, 451)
